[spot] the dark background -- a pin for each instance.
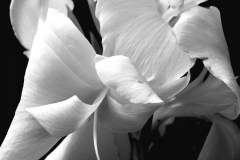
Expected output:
(184, 130)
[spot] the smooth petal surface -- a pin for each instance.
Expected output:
(119, 73)
(223, 141)
(79, 145)
(131, 101)
(125, 118)
(205, 98)
(63, 118)
(162, 5)
(175, 11)
(48, 80)
(135, 29)
(75, 44)
(171, 89)
(176, 3)
(199, 32)
(24, 16)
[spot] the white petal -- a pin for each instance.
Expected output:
(47, 80)
(24, 16)
(172, 12)
(79, 145)
(74, 41)
(120, 74)
(63, 118)
(199, 32)
(125, 118)
(206, 98)
(135, 29)
(223, 141)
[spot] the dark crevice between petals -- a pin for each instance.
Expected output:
(52, 149)
(84, 17)
(196, 69)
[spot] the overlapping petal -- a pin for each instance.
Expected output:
(135, 29)
(175, 11)
(199, 33)
(223, 141)
(24, 16)
(79, 145)
(63, 118)
(199, 99)
(125, 118)
(120, 74)
(131, 101)
(49, 79)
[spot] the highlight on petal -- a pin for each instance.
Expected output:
(63, 118)
(125, 118)
(79, 144)
(199, 33)
(223, 141)
(119, 73)
(48, 80)
(169, 90)
(135, 29)
(205, 98)
(64, 32)
(174, 12)
(24, 15)
(176, 3)
(162, 5)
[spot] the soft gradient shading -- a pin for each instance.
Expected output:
(64, 84)
(223, 141)
(24, 15)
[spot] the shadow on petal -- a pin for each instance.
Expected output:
(223, 141)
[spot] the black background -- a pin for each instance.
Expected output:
(15, 64)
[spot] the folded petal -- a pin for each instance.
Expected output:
(205, 98)
(199, 33)
(169, 90)
(174, 12)
(48, 80)
(162, 5)
(223, 141)
(71, 58)
(125, 118)
(75, 43)
(135, 29)
(79, 145)
(119, 73)
(63, 118)
(24, 16)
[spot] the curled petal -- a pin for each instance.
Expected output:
(125, 118)
(176, 3)
(63, 118)
(199, 33)
(205, 98)
(162, 5)
(223, 141)
(169, 90)
(79, 144)
(174, 12)
(135, 29)
(70, 57)
(24, 16)
(48, 80)
(81, 50)
(121, 75)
